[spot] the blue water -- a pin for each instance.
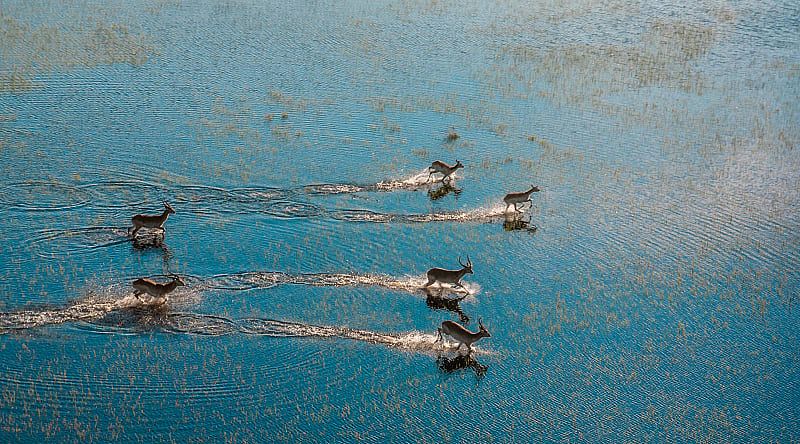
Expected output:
(649, 294)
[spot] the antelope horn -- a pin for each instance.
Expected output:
(469, 261)
(460, 263)
(480, 322)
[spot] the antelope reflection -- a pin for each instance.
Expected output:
(516, 221)
(461, 362)
(437, 300)
(135, 319)
(443, 190)
(153, 240)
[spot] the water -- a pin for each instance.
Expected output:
(648, 294)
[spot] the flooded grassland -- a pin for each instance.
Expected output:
(648, 293)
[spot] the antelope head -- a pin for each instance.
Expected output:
(533, 189)
(458, 165)
(482, 330)
(178, 281)
(169, 208)
(466, 268)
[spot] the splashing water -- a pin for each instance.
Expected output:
(412, 182)
(333, 188)
(97, 303)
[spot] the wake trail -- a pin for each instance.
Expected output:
(251, 280)
(412, 182)
(476, 215)
(134, 314)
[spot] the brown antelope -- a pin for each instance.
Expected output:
(461, 334)
(443, 168)
(158, 292)
(452, 277)
(518, 198)
(150, 221)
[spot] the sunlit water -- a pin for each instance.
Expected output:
(649, 293)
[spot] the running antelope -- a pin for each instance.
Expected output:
(449, 276)
(158, 292)
(461, 334)
(518, 198)
(150, 221)
(443, 168)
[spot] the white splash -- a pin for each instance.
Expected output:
(415, 181)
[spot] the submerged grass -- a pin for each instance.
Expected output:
(29, 51)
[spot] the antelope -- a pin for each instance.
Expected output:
(518, 198)
(449, 276)
(461, 334)
(150, 221)
(158, 292)
(443, 168)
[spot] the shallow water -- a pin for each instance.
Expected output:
(649, 293)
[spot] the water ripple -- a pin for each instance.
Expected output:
(59, 243)
(286, 209)
(43, 196)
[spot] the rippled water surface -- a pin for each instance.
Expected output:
(649, 293)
